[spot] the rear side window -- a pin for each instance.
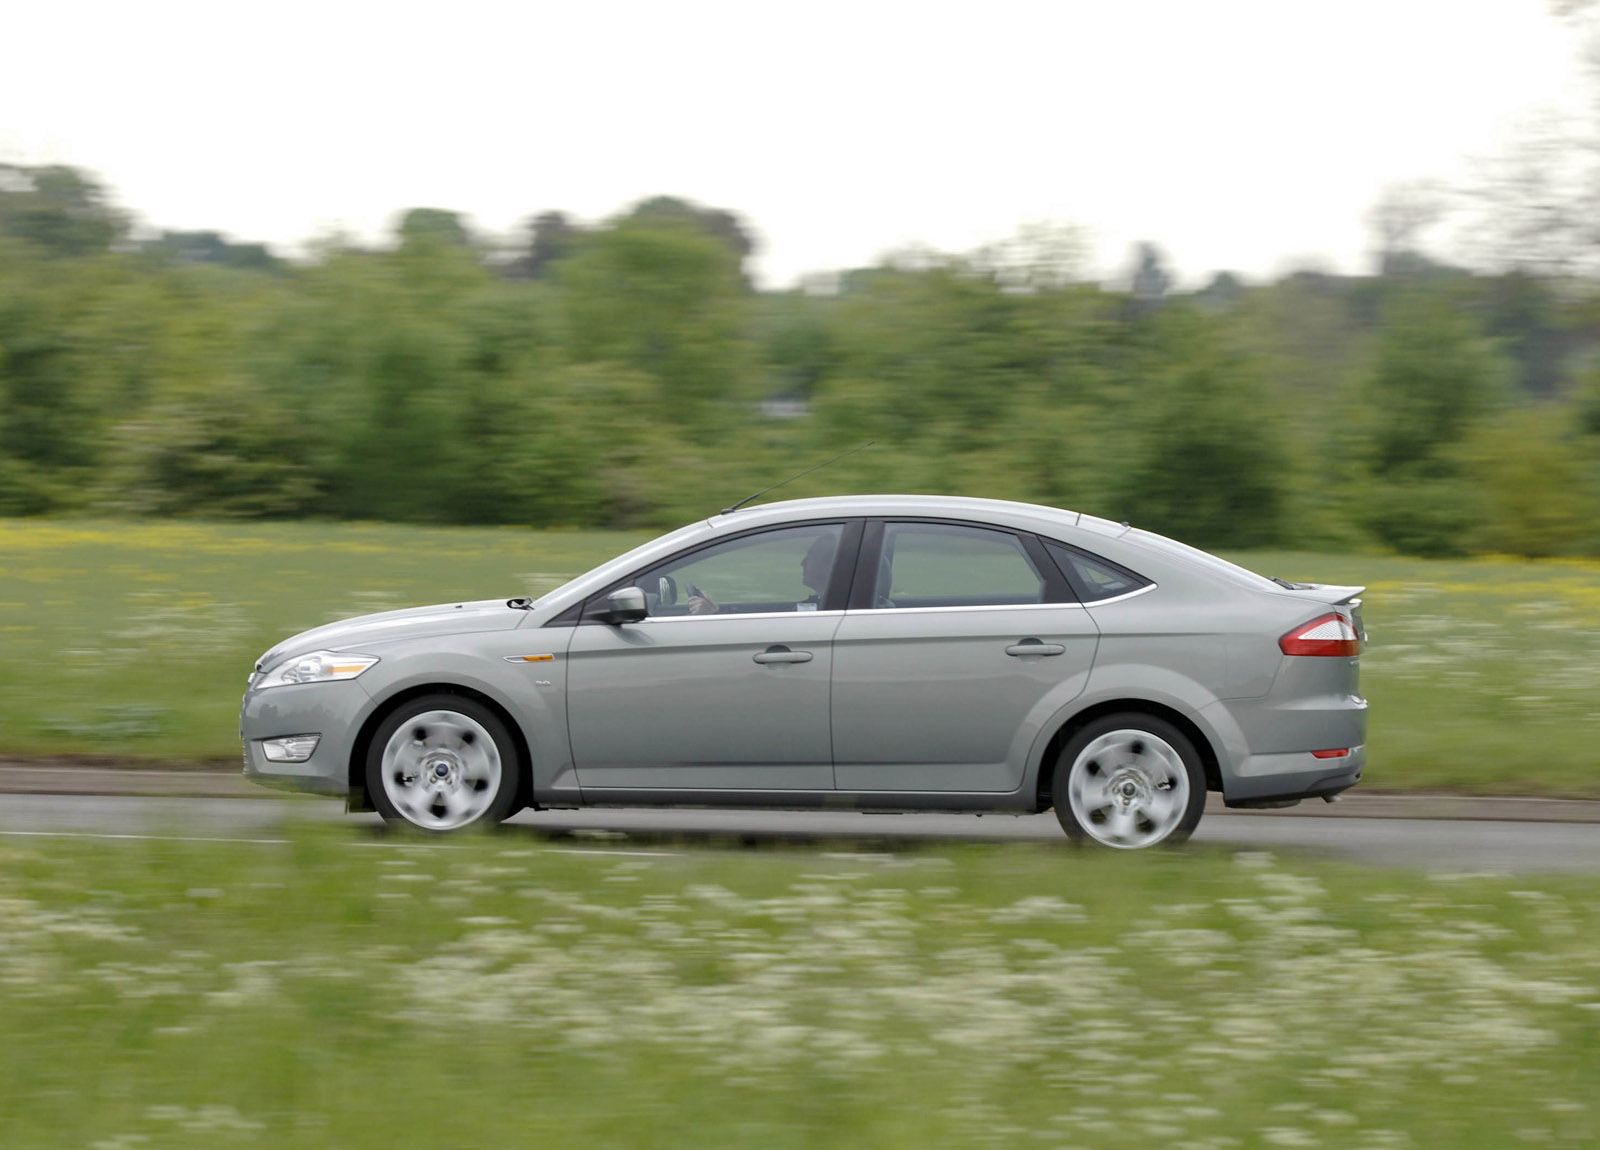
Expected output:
(946, 565)
(1091, 577)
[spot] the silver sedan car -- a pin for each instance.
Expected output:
(875, 652)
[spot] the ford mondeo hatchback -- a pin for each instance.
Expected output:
(875, 652)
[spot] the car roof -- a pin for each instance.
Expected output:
(1150, 554)
(1154, 557)
(1028, 515)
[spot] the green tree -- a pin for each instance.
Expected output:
(433, 226)
(720, 225)
(1210, 465)
(656, 294)
(930, 357)
(208, 247)
(58, 371)
(1434, 375)
(1533, 476)
(59, 209)
(551, 237)
(1586, 402)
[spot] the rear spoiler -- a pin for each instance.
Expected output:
(1330, 593)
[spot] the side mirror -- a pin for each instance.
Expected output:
(625, 605)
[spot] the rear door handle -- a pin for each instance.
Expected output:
(1034, 647)
(781, 654)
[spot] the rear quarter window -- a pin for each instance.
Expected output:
(1092, 577)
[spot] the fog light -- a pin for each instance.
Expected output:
(290, 748)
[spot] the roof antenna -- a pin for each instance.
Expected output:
(792, 478)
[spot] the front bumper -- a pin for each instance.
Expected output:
(335, 711)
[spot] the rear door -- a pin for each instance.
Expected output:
(955, 636)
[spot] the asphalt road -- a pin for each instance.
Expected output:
(1427, 844)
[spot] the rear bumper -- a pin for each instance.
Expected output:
(1265, 752)
(1262, 780)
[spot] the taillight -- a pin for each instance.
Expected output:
(1330, 634)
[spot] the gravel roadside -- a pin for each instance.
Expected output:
(56, 777)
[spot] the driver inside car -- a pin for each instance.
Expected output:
(814, 569)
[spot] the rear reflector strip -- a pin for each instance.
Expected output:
(1338, 754)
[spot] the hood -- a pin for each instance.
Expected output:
(387, 626)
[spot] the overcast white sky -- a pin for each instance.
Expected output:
(1246, 134)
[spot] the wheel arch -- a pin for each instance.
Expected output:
(356, 769)
(1044, 798)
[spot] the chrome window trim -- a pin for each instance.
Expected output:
(1125, 595)
(736, 615)
(1002, 606)
(967, 607)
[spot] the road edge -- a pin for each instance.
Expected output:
(21, 778)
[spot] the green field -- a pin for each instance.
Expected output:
(132, 640)
(339, 989)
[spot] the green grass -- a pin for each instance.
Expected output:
(1483, 675)
(132, 640)
(340, 990)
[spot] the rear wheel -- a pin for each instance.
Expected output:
(1129, 781)
(441, 763)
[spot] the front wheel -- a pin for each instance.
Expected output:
(441, 763)
(1129, 781)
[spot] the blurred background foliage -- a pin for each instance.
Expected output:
(628, 374)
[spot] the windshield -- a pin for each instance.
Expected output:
(623, 561)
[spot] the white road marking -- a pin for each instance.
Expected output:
(547, 850)
(152, 838)
(598, 851)
(285, 842)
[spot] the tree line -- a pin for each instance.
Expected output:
(628, 374)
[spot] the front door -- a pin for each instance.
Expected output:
(725, 685)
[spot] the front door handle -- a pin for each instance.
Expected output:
(1034, 647)
(781, 654)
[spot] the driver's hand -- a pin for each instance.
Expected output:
(702, 604)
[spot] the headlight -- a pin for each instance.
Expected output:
(317, 667)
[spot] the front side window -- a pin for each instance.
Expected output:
(940, 565)
(783, 570)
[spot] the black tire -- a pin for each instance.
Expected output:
(1139, 782)
(457, 767)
